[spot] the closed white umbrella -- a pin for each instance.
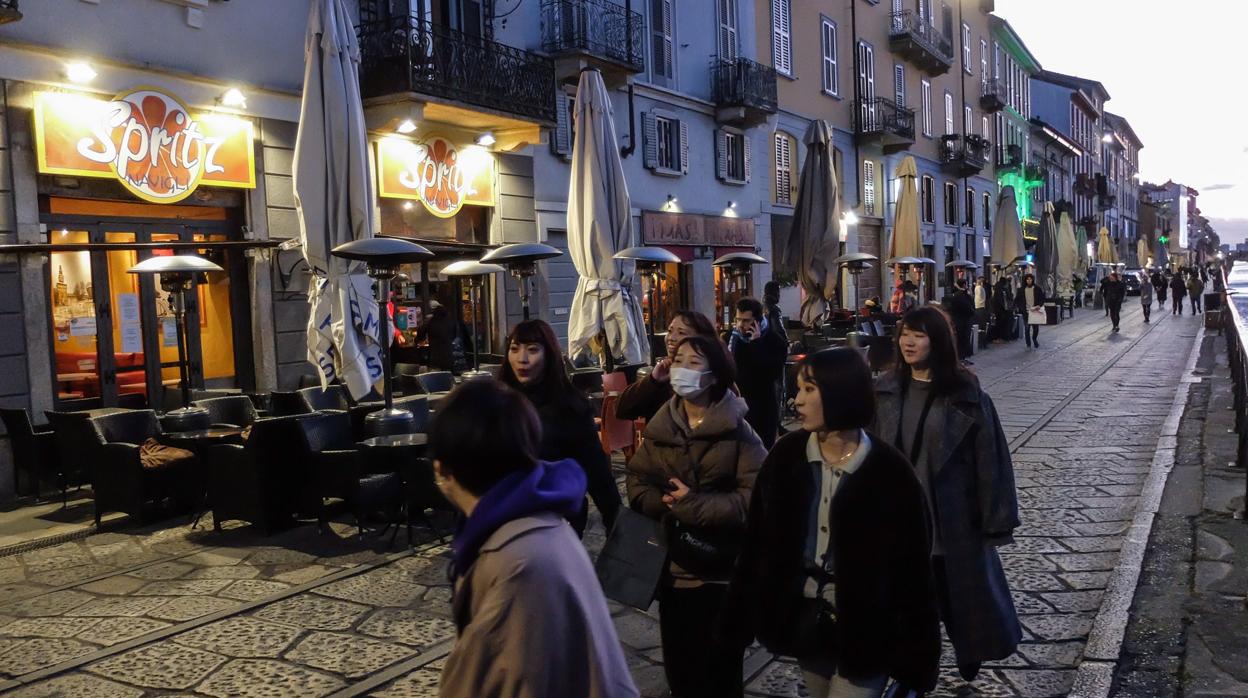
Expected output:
(814, 236)
(1105, 251)
(1067, 256)
(1141, 252)
(906, 241)
(598, 227)
(1046, 252)
(334, 200)
(1081, 241)
(1007, 231)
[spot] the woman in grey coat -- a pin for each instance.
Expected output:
(933, 410)
(1146, 294)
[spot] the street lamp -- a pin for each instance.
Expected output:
(176, 273)
(383, 257)
(474, 273)
(521, 260)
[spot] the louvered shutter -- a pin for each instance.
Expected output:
(728, 30)
(561, 143)
(899, 84)
(684, 148)
(782, 35)
(650, 140)
(745, 156)
(721, 155)
(784, 176)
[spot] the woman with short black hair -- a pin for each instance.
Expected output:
(530, 615)
(835, 569)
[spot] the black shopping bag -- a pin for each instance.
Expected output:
(632, 561)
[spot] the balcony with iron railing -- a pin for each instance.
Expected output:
(407, 55)
(994, 95)
(1107, 199)
(597, 34)
(744, 91)
(9, 11)
(1010, 158)
(963, 157)
(1085, 185)
(880, 120)
(915, 39)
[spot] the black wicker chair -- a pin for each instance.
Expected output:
(437, 381)
(118, 478)
(286, 404)
(339, 471)
(232, 410)
(34, 454)
(332, 398)
(257, 481)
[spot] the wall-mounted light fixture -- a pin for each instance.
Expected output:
(233, 98)
(80, 73)
(406, 126)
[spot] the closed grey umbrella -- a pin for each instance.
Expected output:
(1067, 256)
(814, 237)
(1046, 252)
(1007, 231)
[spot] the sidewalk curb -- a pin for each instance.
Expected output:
(1095, 672)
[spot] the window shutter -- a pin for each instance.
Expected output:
(782, 35)
(650, 140)
(745, 156)
(721, 154)
(784, 180)
(561, 142)
(948, 113)
(899, 84)
(728, 30)
(868, 187)
(684, 147)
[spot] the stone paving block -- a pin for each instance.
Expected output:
(1066, 654)
(70, 575)
(184, 608)
(408, 626)
(257, 678)
(637, 630)
(252, 589)
(1040, 683)
(781, 679)
(1107, 528)
(12, 575)
(77, 686)
(217, 557)
(51, 604)
(165, 665)
(1059, 626)
(111, 631)
(1109, 502)
(56, 557)
(367, 589)
(41, 652)
(162, 571)
(1074, 601)
(349, 655)
(46, 627)
(1027, 563)
(1034, 545)
(1086, 562)
(314, 612)
(422, 683)
(1033, 516)
(241, 636)
(121, 606)
(278, 556)
(226, 572)
(298, 574)
(113, 586)
(439, 599)
(427, 571)
(1028, 603)
(987, 685)
(184, 587)
(1094, 544)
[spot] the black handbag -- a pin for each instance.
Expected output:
(705, 552)
(632, 560)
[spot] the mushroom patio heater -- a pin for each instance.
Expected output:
(521, 260)
(176, 273)
(474, 274)
(649, 261)
(383, 257)
(855, 263)
(736, 266)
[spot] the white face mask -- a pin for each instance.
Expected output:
(687, 382)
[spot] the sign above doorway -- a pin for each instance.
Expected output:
(435, 172)
(145, 138)
(663, 228)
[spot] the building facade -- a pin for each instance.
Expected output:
(1018, 163)
(1120, 201)
(1074, 108)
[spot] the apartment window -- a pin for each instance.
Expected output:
(968, 120)
(970, 210)
(866, 70)
(662, 39)
(728, 30)
(868, 187)
(782, 36)
(948, 112)
(831, 78)
(732, 156)
(966, 47)
(928, 200)
(666, 141)
(983, 126)
(899, 84)
(951, 203)
(927, 108)
(983, 61)
(561, 141)
(784, 147)
(987, 211)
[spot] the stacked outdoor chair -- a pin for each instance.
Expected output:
(34, 454)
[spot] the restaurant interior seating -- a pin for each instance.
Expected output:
(131, 379)
(437, 381)
(34, 453)
(254, 482)
(121, 481)
(230, 410)
(333, 397)
(339, 470)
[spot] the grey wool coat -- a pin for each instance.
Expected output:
(976, 508)
(532, 620)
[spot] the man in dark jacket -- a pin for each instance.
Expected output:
(1178, 289)
(759, 354)
(961, 308)
(1159, 287)
(1115, 291)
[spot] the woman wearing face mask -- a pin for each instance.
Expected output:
(529, 613)
(642, 399)
(694, 471)
(933, 411)
(836, 567)
(535, 367)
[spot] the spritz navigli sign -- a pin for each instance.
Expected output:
(145, 138)
(435, 172)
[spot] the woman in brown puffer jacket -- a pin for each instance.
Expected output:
(694, 472)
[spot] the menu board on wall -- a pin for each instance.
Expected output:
(131, 339)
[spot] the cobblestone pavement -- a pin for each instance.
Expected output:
(173, 611)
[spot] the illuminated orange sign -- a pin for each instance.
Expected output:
(436, 173)
(145, 138)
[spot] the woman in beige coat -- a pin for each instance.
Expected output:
(530, 614)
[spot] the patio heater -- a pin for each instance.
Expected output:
(963, 265)
(855, 263)
(383, 257)
(521, 260)
(473, 273)
(176, 273)
(649, 261)
(737, 266)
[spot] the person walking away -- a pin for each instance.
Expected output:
(771, 306)
(693, 472)
(854, 609)
(759, 354)
(534, 367)
(933, 411)
(1178, 289)
(529, 613)
(1078, 282)
(1003, 316)
(644, 397)
(1196, 287)
(1101, 290)
(981, 299)
(1115, 293)
(962, 309)
(1159, 287)
(1146, 296)
(1030, 297)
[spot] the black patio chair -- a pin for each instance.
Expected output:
(437, 381)
(339, 471)
(403, 369)
(119, 478)
(418, 405)
(257, 481)
(233, 410)
(34, 454)
(285, 404)
(333, 397)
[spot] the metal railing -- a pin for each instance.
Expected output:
(9, 11)
(1236, 331)
(908, 23)
(994, 90)
(879, 115)
(407, 54)
(972, 150)
(744, 83)
(598, 27)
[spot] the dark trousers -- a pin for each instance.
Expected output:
(1161, 297)
(1148, 309)
(1033, 335)
(1114, 310)
(1176, 305)
(946, 612)
(697, 665)
(1196, 305)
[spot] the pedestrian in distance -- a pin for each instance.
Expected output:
(771, 308)
(1159, 287)
(933, 411)
(1114, 294)
(1195, 289)
(1030, 297)
(836, 568)
(535, 367)
(1178, 290)
(759, 355)
(982, 292)
(528, 609)
(1146, 296)
(693, 473)
(962, 309)
(1002, 313)
(1101, 289)
(643, 398)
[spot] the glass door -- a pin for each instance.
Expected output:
(79, 360)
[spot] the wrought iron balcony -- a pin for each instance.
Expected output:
(1107, 199)
(744, 92)
(593, 33)
(963, 157)
(994, 95)
(9, 11)
(1085, 185)
(916, 40)
(406, 54)
(1010, 158)
(881, 120)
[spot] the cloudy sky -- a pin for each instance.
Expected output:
(1172, 74)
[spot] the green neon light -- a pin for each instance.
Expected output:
(1022, 189)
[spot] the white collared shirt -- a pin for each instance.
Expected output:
(830, 479)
